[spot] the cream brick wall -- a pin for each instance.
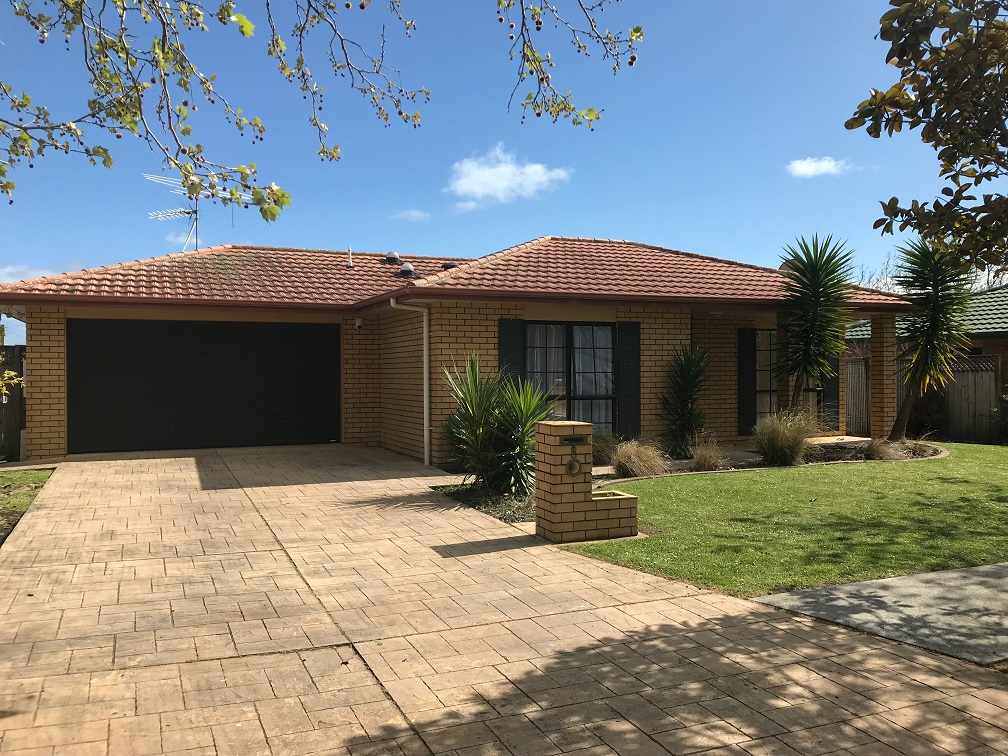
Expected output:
(361, 382)
(663, 330)
(719, 335)
(882, 383)
(399, 400)
(45, 382)
(457, 330)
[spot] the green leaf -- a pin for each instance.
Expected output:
(245, 27)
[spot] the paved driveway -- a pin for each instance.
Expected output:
(324, 599)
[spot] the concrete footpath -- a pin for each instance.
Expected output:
(962, 613)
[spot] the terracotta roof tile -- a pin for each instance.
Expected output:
(552, 267)
(240, 274)
(606, 268)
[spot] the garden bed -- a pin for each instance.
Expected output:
(505, 508)
(18, 489)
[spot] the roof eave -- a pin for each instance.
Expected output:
(23, 298)
(499, 295)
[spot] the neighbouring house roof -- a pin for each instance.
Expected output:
(549, 268)
(988, 313)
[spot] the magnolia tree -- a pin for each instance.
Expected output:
(952, 59)
(146, 83)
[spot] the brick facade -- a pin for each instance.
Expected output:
(45, 382)
(882, 378)
(361, 382)
(663, 330)
(717, 332)
(382, 365)
(399, 403)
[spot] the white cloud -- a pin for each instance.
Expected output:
(497, 176)
(412, 215)
(178, 238)
(20, 273)
(822, 166)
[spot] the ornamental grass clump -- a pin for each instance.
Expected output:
(707, 455)
(783, 437)
(638, 459)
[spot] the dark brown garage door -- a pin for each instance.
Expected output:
(151, 384)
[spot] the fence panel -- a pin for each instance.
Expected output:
(858, 398)
(971, 400)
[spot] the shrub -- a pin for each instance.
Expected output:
(685, 377)
(782, 438)
(492, 432)
(707, 455)
(638, 459)
(603, 446)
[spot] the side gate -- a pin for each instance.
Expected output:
(858, 397)
(12, 412)
(971, 400)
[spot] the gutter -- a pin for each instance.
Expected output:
(426, 373)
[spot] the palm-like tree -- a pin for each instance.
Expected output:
(934, 333)
(818, 289)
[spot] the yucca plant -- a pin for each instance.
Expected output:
(492, 432)
(817, 288)
(472, 428)
(522, 405)
(934, 333)
(685, 378)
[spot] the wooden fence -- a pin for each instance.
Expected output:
(972, 399)
(858, 398)
(12, 417)
(968, 406)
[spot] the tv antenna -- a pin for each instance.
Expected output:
(191, 212)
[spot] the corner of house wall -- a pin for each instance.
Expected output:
(45, 382)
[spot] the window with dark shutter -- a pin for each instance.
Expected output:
(511, 347)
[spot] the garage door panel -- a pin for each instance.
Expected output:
(138, 385)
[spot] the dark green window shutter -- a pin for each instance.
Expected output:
(511, 347)
(628, 416)
(746, 381)
(831, 396)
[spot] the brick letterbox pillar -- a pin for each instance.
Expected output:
(566, 507)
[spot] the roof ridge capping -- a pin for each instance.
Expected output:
(478, 262)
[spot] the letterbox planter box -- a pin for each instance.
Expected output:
(567, 510)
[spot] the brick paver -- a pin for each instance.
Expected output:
(326, 600)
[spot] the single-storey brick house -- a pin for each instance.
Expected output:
(236, 345)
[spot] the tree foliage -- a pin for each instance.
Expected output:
(953, 62)
(934, 333)
(817, 288)
(145, 83)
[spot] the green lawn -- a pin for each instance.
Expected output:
(763, 531)
(17, 489)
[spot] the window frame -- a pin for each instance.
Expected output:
(770, 370)
(568, 397)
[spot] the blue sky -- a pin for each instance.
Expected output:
(725, 139)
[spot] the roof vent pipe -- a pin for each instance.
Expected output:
(406, 271)
(349, 262)
(392, 258)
